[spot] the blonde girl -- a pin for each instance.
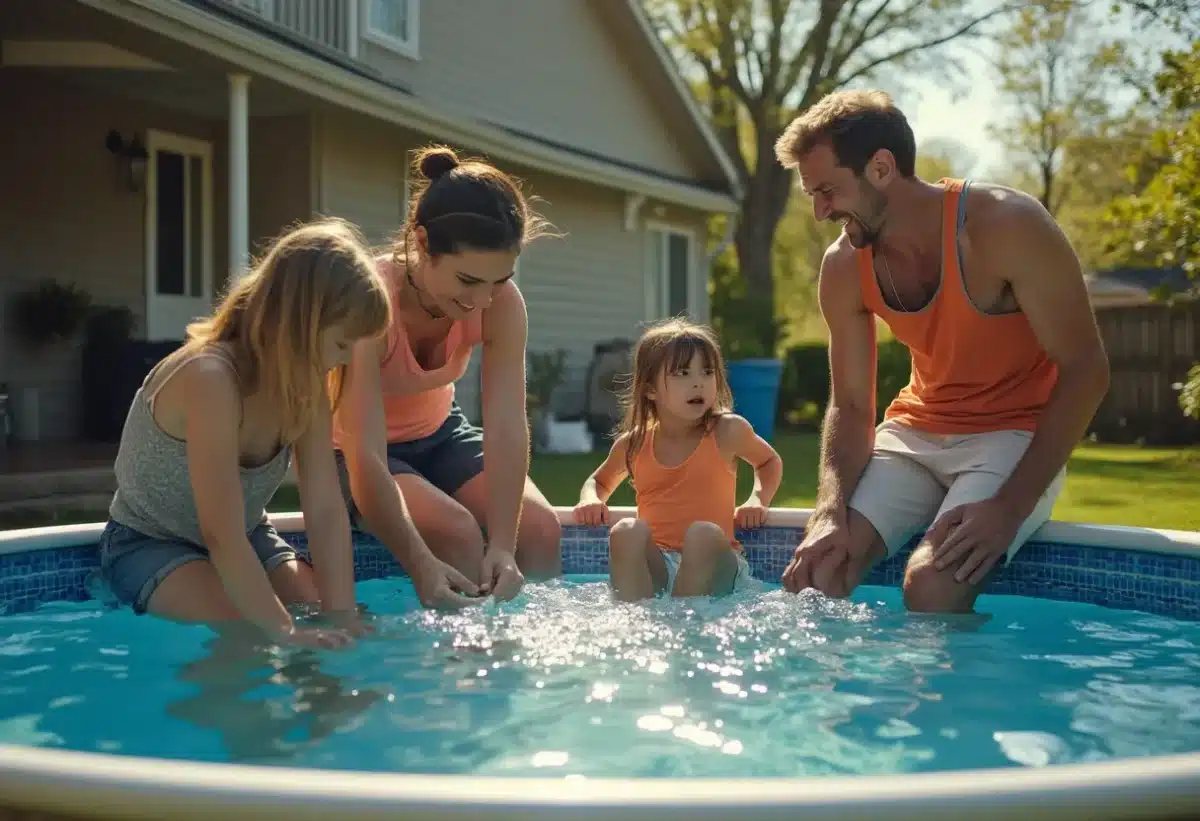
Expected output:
(680, 443)
(212, 430)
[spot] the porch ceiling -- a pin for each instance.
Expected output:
(194, 82)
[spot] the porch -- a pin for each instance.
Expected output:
(145, 173)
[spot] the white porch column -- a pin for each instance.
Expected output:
(239, 174)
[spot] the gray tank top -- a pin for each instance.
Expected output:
(154, 490)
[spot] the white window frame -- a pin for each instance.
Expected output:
(189, 147)
(409, 48)
(658, 282)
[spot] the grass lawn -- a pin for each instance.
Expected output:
(1106, 484)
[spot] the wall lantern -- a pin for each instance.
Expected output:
(133, 154)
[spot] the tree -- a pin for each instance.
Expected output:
(1160, 225)
(762, 62)
(1059, 75)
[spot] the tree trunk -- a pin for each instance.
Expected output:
(762, 209)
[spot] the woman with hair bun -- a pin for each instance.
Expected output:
(412, 466)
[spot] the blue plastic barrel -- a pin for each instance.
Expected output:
(755, 387)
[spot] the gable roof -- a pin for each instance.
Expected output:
(698, 119)
(213, 28)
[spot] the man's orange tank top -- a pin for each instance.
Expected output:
(971, 371)
(701, 488)
(416, 400)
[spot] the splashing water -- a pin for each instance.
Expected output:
(565, 681)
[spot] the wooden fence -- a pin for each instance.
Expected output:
(1150, 349)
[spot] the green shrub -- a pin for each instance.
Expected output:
(804, 388)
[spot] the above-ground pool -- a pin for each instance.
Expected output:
(1073, 693)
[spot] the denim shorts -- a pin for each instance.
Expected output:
(448, 458)
(742, 579)
(133, 564)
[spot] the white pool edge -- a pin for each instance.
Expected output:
(1118, 537)
(99, 785)
(94, 784)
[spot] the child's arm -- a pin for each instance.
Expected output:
(597, 488)
(325, 518)
(748, 446)
(213, 415)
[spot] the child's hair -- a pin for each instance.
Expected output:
(667, 346)
(315, 276)
(465, 205)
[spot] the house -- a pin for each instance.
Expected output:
(1125, 287)
(150, 147)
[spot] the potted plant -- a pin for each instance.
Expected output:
(545, 374)
(48, 315)
(42, 319)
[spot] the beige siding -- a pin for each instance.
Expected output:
(589, 286)
(362, 172)
(556, 69)
(67, 214)
(280, 184)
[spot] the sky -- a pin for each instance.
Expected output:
(935, 110)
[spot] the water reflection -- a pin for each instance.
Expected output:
(267, 703)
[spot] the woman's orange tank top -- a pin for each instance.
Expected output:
(416, 400)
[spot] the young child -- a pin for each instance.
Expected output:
(210, 434)
(679, 443)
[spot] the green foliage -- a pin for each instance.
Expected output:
(1059, 74)
(1160, 225)
(49, 314)
(804, 387)
(1189, 397)
(546, 370)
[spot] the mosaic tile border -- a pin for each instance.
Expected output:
(1162, 584)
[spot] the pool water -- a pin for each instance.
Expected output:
(565, 682)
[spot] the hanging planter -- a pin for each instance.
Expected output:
(48, 315)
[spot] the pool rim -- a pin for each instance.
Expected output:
(1128, 538)
(78, 782)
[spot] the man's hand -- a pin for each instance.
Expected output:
(978, 534)
(502, 578)
(439, 586)
(825, 559)
(750, 515)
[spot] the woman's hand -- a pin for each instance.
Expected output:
(502, 578)
(439, 586)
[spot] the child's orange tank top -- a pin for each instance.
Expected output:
(416, 400)
(701, 488)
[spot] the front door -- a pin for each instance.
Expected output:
(178, 234)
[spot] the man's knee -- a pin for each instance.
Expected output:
(929, 590)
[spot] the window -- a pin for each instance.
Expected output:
(393, 24)
(669, 272)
